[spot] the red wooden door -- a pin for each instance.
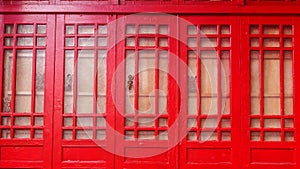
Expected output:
(27, 62)
(210, 108)
(147, 92)
(270, 84)
(83, 111)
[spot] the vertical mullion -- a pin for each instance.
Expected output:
(156, 90)
(219, 80)
(75, 81)
(33, 80)
(281, 82)
(136, 81)
(95, 80)
(13, 84)
(261, 79)
(198, 94)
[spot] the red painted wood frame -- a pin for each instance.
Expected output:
(257, 151)
(31, 151)
(74, 144)
(240, 152)
(159, 147)
(223, 151)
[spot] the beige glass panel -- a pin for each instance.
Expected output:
(225, 29)
(209, 105)
(255, 106)
(209, 77)
(288, 106)
(225, 108)
(255, 77)
(163, 29)
(102, 29)
(9, 28)
(7, 80)
(225, 136)
(191, 123)
(69, 42)
(41, 29)
(225, 76)
(130, 29)
(146, 41)
(191, 29)
(271, 42)
(287, 42)
(84, 121)
(86, 41)
(68, 121)
(67, 134)
(40, 80)
(69, 79)
(84, 134)
(86, 29)
(225, 123)
(255, 123)
(101, 122)
(38, 121)
(85, 81)
(271, 77)
(208, 54)
(271, 29)
(288, 77)
(272, 136)
(208, 42)
(25, 41)
(146, 135)
(70, 29)
(26, 29)
(192, 105)
(162, 105)
(208, 136)
(255, 136)
(163, 42)
(129, 135)
(271, 54)
(287, 30)
(163, 135)
(100, 134)
(163, 74)
(102, 41)
(146, 72)
(38, 134)
(272, 106)
(225, 42)
(22, 121)
(289, 123)
(146, 122)
(192, 42)
(208, 29)
(102, 55)
(163, 122)
(8, 41)
(21, 133)
(40, 41)
(146, 104)
(254, 42)
(272, 123)
(209, 123)
(147, 29)
(192, 136)
(23, 81)
(289, 136)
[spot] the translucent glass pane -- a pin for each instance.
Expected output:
(191, 30)
(163, 29)
(225, 136)
(209, 77)
(7, 74)
(68, 121)
(38, 121)
(163, 75)
(272, 136)
(208, 42)
(25, 41)
(272, 123)
(69, 78)
(208, 105)
(225, 76)
(86, 41)
(288, 77)
(84, 134)
(20, 133)
(41, 29)
(146, 135)
(146, 41)
(130, 29)
(225, 29)
(85, 72)
(254, 76)
(271, 29)
(84, 121)
(287, 30)
(102, 41)
(25, 29)
(9, 28)
(255, 123)
(23, 81)
(271, 77)
(39, 81)
(271, 42)
(146, 122)
(254, 42)
(146, 72)
(102, 29)
(192, 105)
(67, 134)
(84, 104)
(100, 134)
(146, 104)
(86, 29)
(70, 29)
(40, 41)
(22, 121)
(208, 29)
(147, 29)
(255, 106)
(38, 134)
(130, 75)
(69, 42)
(8, 41)
(272, 106)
